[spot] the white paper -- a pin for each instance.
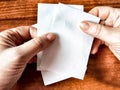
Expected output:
(68, 55)
(45, 14)
(44, 21)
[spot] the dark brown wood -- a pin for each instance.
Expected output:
(103, 69)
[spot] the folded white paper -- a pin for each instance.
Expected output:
(68, 55)
(44, 20)
(45, 15)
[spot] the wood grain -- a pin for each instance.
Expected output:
(103, 69)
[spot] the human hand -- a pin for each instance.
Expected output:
(18, 46)
(107, 32)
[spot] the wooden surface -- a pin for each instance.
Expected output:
(103, 69)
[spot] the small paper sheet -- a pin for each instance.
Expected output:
(68, 55)
(45, 15)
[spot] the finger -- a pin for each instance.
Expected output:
(23, 32)
(102, 11)
(18, 35)
(26, 32)
(96, 43)
(104, 33)
(33, 32)
(109, 15)
(32, 47)
(95, 46)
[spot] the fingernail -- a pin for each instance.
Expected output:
(51, 36)
(84, 25)
(33, 32)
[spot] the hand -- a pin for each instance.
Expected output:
(17, 47)
(107, 32)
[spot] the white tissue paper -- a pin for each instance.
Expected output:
(45, 13)
(68, 55)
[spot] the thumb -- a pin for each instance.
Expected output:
(104, 33)
(32, 47)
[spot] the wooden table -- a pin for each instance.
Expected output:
(103, 69)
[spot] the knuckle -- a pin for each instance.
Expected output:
(116, 35)
(38, 42)
(94, 10)
(98, 30)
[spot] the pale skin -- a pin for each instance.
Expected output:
(107, 32)
(19, 46)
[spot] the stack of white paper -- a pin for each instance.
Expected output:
(68, 55)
